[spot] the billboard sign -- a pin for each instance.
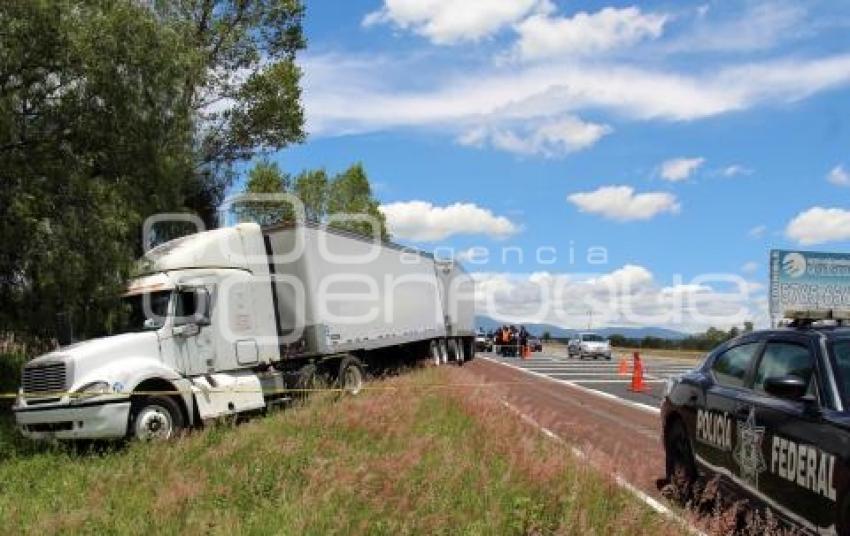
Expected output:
(808, 281)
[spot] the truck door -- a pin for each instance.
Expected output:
(715, 424)
(797, 476)
(193, 333)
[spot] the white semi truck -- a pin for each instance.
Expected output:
(237, 319)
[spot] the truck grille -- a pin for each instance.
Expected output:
(44, 380)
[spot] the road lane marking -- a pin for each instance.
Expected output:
(587, 390)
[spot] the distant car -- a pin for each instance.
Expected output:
(534, 344)
(483, 343)
(589, 345)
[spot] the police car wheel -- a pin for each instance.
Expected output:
(681, 467)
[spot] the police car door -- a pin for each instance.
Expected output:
(730, 372)
(779, 440)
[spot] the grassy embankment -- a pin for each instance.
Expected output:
(410, 455)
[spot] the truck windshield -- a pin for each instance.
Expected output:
(141, 312)
(589, 337)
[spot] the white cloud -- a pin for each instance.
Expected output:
(545, 36)
(620, 203)
(839, 176)
(446, 22)
(818, 225)
(423, 222)
(750, 267)
(760, 26)
(377, 96)
(757, 231)
(735, 170)
(625, 296)
(550, 139)
(679, 169)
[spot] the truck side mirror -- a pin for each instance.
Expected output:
(789, 387)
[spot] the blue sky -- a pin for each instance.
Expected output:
(685, 139)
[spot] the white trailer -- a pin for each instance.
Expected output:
(237, 319)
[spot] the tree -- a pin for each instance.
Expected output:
(242, 88)
(94, 137)
(265, 178)
(748, 327)
(547, 336)
(114, 111)
(350, 194)
(311, 187)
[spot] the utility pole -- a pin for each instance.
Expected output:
(589, 319)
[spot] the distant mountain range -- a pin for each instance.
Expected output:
(488, 324)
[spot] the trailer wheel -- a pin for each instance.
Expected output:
(155, 418)
(435, 352)
(454, 350)
(461, 351)
(470, 349)
(350, 377)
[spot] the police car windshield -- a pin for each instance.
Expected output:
(841, 352)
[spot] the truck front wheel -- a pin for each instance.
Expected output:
(155, 418)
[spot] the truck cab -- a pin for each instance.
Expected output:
(179, 353)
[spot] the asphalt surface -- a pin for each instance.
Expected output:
(603, 375)
(619, 438)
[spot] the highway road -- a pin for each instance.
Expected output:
(588, 405)
(602, 376)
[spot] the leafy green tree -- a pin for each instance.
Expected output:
(311, 187)
(748, 327)
(243, 87)
(348, 194)
(547, 336)
(351, 194)
(113, 111)
(263, 179)
(94, 136)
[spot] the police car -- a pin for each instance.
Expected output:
(769, 413)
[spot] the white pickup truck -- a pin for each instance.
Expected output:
(233, 320)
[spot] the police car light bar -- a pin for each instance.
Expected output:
(824, 317)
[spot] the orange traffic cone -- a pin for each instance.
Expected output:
(624, 367)
(525, 353)
(637, 385)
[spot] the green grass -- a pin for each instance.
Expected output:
(408, 456)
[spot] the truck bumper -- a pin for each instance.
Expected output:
(98, 420)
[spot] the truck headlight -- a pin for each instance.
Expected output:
(91, 390)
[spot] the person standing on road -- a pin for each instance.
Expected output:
(523, 339)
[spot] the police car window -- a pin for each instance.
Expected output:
(841, 350)
(784, 359)
(731, 366)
